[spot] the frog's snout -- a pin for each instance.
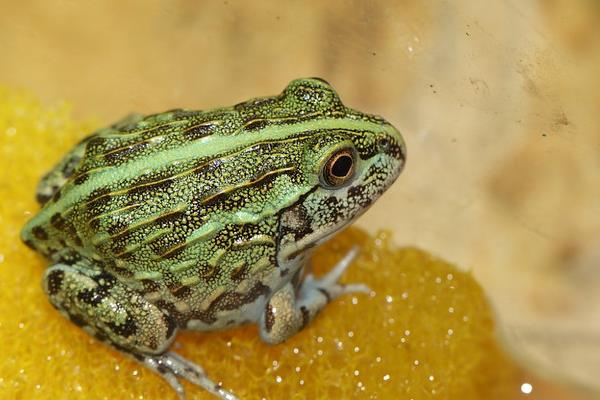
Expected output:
(392, 144)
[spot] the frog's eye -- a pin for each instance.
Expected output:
(339, 168)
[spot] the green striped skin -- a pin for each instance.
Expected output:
(204, 219)
(184, 206)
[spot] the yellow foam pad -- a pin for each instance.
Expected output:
(425, 331)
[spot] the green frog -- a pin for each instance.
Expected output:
(205, 220)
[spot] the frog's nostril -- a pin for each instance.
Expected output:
(383, 143)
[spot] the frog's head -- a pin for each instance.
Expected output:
(349, 160)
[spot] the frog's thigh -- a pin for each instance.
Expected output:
(59, 174)
(289, 310)
(107, 309)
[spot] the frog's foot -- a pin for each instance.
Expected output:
(290, 310)
(171, 366)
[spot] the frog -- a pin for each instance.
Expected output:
(206, 220)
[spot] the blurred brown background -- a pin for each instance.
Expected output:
(499, 103)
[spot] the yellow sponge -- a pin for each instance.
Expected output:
(425, 332)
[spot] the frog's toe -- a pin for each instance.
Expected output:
(155, 364)
(355, 288)
(336, 272)
(328, 285)
(172, 366)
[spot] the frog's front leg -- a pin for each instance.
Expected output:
(290, 310)
(120, 316)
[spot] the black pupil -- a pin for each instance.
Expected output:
(341, 166)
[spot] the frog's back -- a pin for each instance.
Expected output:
(157, 190)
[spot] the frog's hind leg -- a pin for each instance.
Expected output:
(59, 174)
(290, 309)
(121, 317)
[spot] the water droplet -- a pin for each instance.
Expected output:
(526, 388)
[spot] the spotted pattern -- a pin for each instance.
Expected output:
(195, 219)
